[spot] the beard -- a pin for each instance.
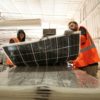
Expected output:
(74, 29)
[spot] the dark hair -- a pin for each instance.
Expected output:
(18, 35)
(73, 22)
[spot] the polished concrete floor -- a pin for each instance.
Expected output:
(55, 88)
(52, 77)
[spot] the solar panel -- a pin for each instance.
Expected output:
(48, 52)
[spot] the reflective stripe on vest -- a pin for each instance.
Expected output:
(89, 47)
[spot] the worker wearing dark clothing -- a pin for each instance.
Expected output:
(88, 57)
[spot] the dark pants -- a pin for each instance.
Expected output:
(91, 69)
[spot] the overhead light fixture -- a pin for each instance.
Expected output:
(21, 22)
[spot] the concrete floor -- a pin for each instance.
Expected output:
(58, 78)
(24, 91)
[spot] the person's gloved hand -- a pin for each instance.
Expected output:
(69, 66)
(68, 32)
(75, 63)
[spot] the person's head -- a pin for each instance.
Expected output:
(21, 35)
(73, 25)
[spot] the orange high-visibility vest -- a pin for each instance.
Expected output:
(15, 40)
(88, 53)
(8, 61)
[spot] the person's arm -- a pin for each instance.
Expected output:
(83, 35)
(83, 30)
(68, 32)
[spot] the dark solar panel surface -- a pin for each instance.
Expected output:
(47, 52)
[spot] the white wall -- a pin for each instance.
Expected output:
(90, 17)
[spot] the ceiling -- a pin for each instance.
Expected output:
(46, 10)
(53, 13)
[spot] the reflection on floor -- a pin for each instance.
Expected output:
(53, 76)
(61, 79)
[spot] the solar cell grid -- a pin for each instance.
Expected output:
(46, 52)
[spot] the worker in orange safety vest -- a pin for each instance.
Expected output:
(88, 57)
(20, 38)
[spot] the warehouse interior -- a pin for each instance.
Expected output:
(33, 16)
(52, 14)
